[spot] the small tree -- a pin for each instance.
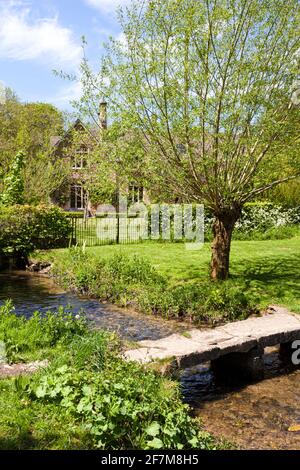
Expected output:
(27, 126)
(14, 182)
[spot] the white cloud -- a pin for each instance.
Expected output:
(68, 93)
(108, 6)
(23, 37)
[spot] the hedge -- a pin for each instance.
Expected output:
(24, 228)
(256, 218)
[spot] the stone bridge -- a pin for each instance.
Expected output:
(235, 347)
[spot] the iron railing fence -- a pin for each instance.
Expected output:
(97, 231)
(125, 229)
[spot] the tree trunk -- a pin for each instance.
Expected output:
(222, 235)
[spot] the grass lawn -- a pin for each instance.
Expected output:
(270, 268)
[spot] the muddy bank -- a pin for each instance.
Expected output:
(13, 262)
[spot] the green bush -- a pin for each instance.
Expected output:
(131, 281)
(124, 407)
(26, 228)
(265, 216)
(207, 302)
(261, 221)
(13, 184)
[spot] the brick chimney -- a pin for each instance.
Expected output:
(103, 115)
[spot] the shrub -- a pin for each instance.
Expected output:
(50, 228)
(13, 183)
(124, 407)
(133, 281)
(261, 221)
(26, 228)
(265, 216)
(259, 218)
(41, 331)
(207, 302)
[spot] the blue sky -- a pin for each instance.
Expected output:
(37, 36)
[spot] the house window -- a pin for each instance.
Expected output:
(79, 159)
(77, 201)
(136, 193)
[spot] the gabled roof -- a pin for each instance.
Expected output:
(56, 141)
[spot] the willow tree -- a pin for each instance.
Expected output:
(210, 86)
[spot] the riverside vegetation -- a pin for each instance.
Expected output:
(132, 281)
(24, 228)
(166, 279)
(88, 397)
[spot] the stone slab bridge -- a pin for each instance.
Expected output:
(233, 348)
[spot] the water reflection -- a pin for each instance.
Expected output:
(32, 292)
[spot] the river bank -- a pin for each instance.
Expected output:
(178, 285)
(85, 396)
(32, 291)
(252, 415)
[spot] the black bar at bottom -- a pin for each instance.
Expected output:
(148, 459)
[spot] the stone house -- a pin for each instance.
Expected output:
(74, 197)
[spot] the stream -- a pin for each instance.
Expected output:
(32, 292)
(251, 415)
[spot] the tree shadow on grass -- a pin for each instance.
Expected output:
(25, 441)
(277, 276)
(20, 442)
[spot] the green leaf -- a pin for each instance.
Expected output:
(153, 429)
(40, 392)
(155, 444)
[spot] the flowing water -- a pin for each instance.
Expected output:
(30, 293)
(257, 415)
(253, 416)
